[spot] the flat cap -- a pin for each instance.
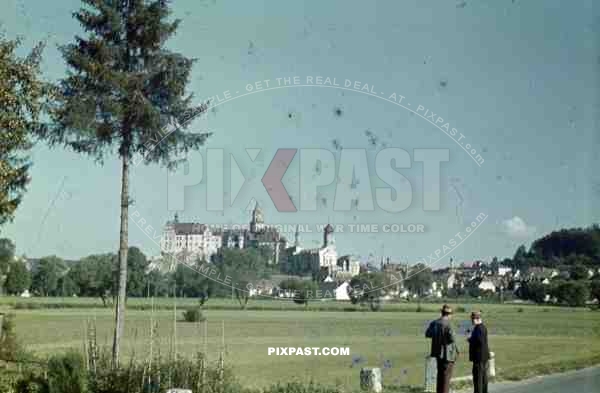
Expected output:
(476, 314)
(446, 309)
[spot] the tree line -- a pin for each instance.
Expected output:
(97, 275)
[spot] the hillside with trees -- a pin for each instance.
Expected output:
(567, 247)
(574, 253)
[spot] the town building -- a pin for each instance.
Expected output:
(487, 285)
(347, 267)
(504, 270)
(321, 263)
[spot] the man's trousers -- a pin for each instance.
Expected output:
(444, 374)
(480, 377)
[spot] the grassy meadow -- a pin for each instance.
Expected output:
(523, 337)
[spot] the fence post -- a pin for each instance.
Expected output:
(430, 374)
(492, 365)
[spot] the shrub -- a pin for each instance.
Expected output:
(595, 289)
(375, 304)
(520, 309)
(573, 293)
(67, 373)
(474, 292)
(7, 383)
(300, 298)
(32, 383)
(534, 291)
(183, 373)
(193, 315)
(296, 387)
(9, 347)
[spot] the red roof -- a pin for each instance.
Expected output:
(188, 228)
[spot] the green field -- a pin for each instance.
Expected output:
(526, 339)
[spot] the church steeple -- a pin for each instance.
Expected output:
(328, 235)
(257, 219)
(257, 215)
(297, 238)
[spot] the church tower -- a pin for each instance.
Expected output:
(328, 236)
(257, 219)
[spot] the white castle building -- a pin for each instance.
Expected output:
(192, 242)
(189, 242)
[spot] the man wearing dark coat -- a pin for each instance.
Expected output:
(479, 353)
(443, 348)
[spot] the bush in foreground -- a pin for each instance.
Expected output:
(32, 383)
(67, 373)
(296, 387)
(9, 347)
(193, 315)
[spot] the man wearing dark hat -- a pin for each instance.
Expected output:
(479, 353)
(443, 348)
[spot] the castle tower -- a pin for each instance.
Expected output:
(257, 219)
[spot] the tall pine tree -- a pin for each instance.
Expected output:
(123, 92)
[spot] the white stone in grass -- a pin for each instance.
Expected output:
(370, 379)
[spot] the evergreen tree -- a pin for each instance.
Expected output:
(125, 91)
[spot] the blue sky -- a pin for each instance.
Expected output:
(518, 79)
